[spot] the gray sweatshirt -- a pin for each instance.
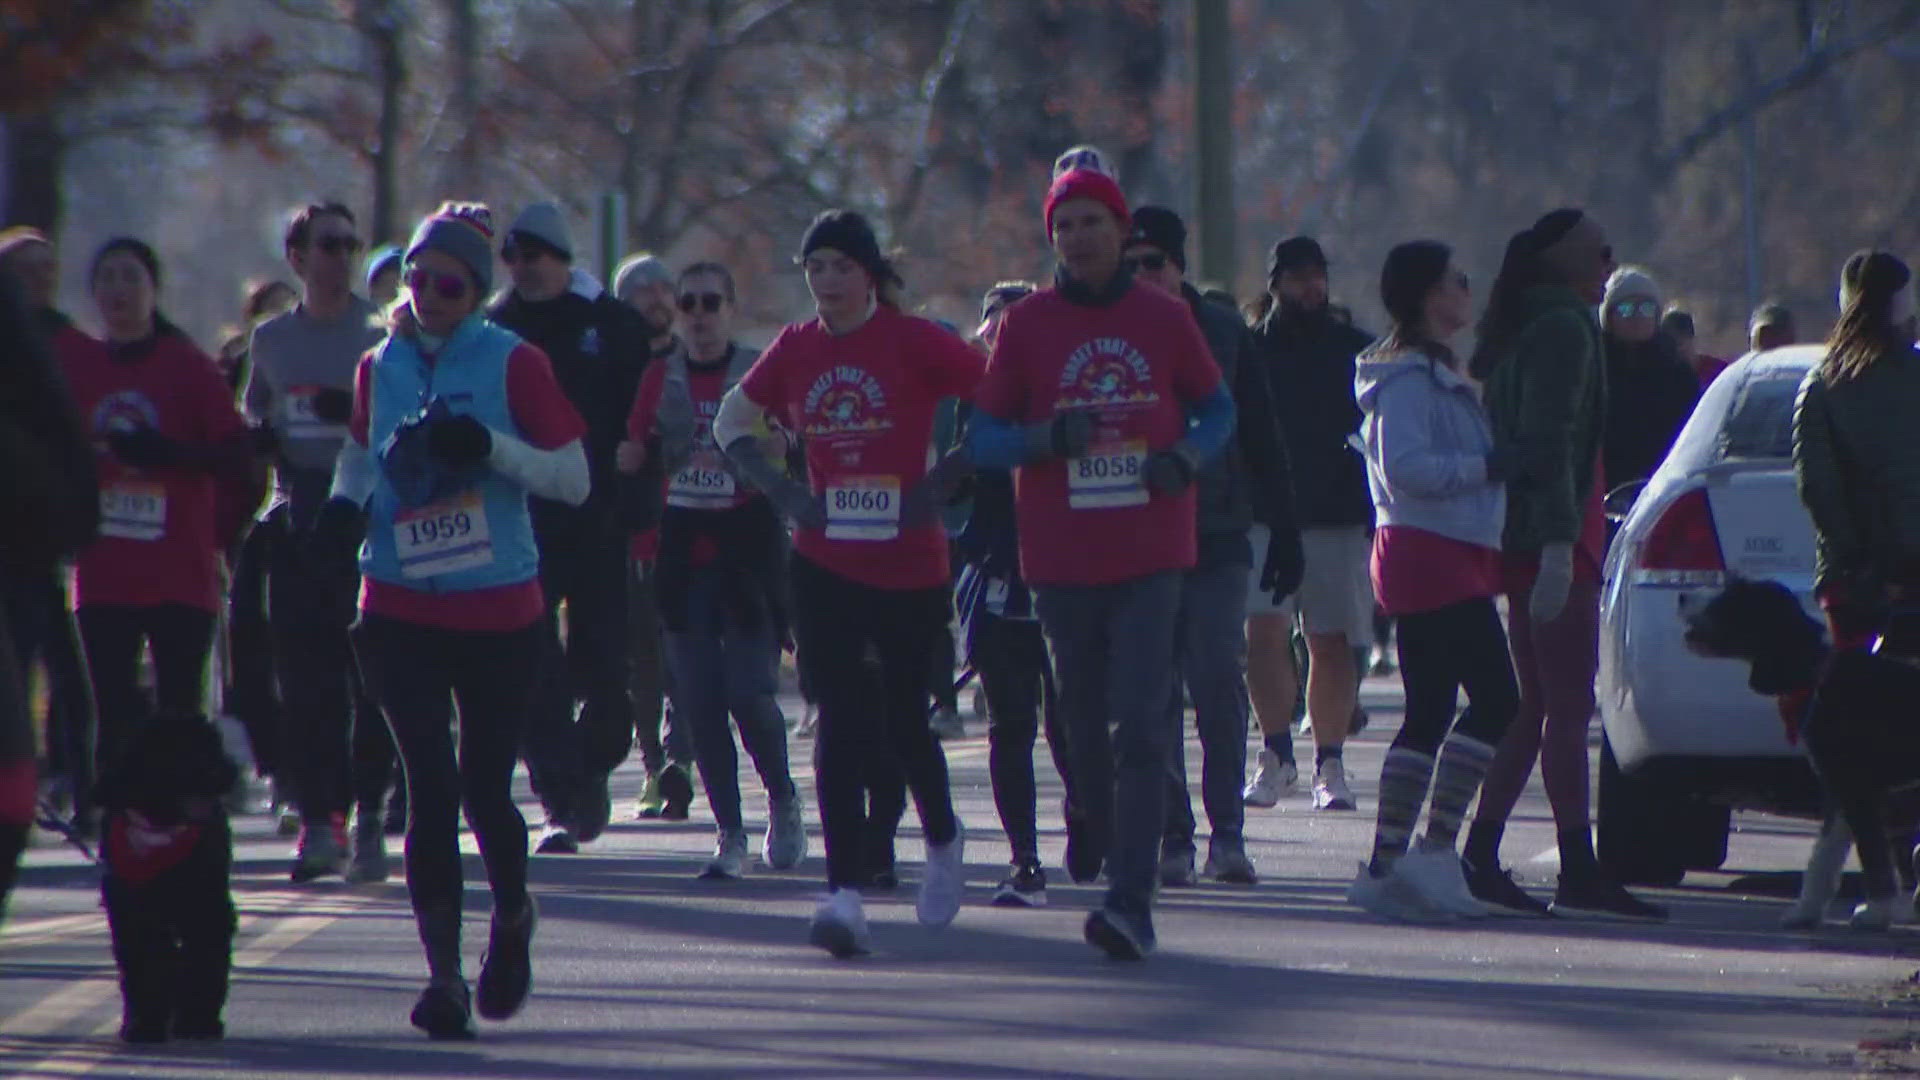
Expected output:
(1426, 439)
(294, 354)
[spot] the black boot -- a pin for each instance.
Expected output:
(1588, 891)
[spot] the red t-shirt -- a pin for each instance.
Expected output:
(547, 421)
(1093, 521)
(863, 403)
(703, 483)
(1416, 571)
(157, 541)
(1709, 368)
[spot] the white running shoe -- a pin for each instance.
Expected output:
(1436, 873)
(840, 925)
(1330, 790)
(1392, 898)
(940, 884)
(786, 841)
(729, 862)
(1272, 779)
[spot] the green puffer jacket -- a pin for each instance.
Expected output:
(1857, 460)
(1547, 397)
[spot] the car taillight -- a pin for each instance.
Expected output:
(1682, 547)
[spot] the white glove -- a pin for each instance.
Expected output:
(1549, 596)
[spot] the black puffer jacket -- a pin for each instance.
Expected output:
(1309, 363)
(1249, 482)
(1653, 392)
(598, 347)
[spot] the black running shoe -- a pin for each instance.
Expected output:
(1119, 936)
(445, 1011)
(1495, 886)
(506, 971)
(1025, 887)
(1085, 853)
(677, 789)
(1596, 896)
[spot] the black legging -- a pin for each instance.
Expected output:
(1010, 659)
(180, 638)
(417, 673)
(835, 619)
(1461, 646)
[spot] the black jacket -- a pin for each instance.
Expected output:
(598, 347)
(1309, 364)
(1250, 481)
(1653, 392)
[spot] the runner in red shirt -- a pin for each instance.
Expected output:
(858, 384)
(1103, 393)
(456, 421)
(168, 439)
(722, 596)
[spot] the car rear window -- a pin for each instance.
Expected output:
(1760, 422)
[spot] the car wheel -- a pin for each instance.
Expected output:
(1650, 835)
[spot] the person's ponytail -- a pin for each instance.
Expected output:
(1876, 314)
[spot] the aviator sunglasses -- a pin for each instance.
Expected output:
(445, 286)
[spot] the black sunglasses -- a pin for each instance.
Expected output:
(1153, 261)
(710, 301)
(338, 245)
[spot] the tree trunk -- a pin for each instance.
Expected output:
(34, 154)
(383, 25)
(466, 181)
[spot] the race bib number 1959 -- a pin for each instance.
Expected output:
(1108, 476)
(443, 538)
(863, 508)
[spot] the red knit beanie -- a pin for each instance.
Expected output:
(1088, 184)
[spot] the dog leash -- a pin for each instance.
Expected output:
(49, 819)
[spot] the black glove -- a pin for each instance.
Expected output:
(265, 440)
(1283, 565)
(1503, 464)
(1168, 471)
(1069, 433)
(332, 545)
(332, 405)
(459, 442)
(145, 448)
(924, 500)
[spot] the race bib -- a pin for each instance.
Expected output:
(1108, 476)
(705, 484)
(299, 418)
(443, 538)
(134, 510)
(863, 508)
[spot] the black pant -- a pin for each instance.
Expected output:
(590, 666)
(16, 762)
(1459, 646)
(180, 638)
(1010, 659)
(661, 739)
(835, 620)
(417, 673)
(338, 752)
(251, 695)
(43, 631)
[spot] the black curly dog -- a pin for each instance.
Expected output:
(1859, 732)
(168, 852)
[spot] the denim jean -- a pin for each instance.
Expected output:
(1113, 654)
(721, 670)
(1211, 648)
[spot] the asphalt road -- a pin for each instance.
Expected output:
(642, 971)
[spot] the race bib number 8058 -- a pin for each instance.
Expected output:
(1107, 476)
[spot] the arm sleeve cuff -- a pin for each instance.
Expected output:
(559, 474)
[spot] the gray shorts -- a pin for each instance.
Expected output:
(1336, 592)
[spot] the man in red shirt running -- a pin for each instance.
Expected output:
(1102, 393)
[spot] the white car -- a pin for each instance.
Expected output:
(1686, 739)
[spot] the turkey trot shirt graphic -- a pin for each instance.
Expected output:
(1111, 378)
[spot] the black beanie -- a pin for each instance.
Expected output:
(1293, 253)
(1162, 228)
(847, 232)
